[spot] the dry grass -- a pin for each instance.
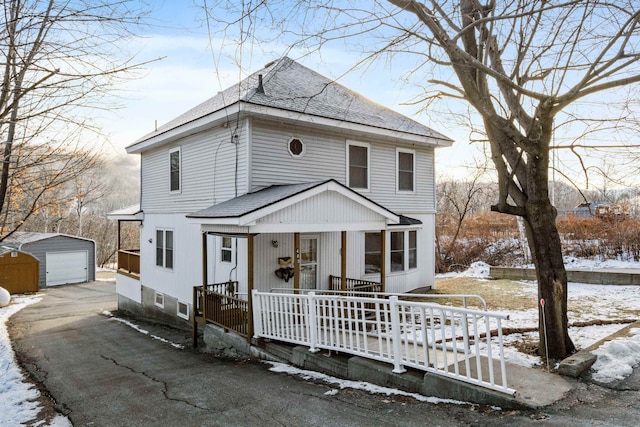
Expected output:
(499, 294)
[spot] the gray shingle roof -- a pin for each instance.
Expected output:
(21, 237)
(293, 87)
(251, 202)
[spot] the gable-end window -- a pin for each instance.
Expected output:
(296, 147)
(358, 165)
(372, 243)
(405, 165)
(175, 160)
(413, 249)
(226, 249)
(164, 248)
(397, 251)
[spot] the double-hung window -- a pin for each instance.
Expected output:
(226, 249)
(175, 165)
(372, 248)
(397, 251)
(164, 248)
(358, 165)
(405, 166)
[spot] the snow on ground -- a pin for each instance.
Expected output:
(587, 302)
(360, 385)
(18, 398)
(142, 331)
(617, 358)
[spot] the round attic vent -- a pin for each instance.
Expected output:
(296, 147)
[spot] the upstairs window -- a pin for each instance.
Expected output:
(296, 147)
(174, 170)
(406, 170)
(358, 165)
(164, 248)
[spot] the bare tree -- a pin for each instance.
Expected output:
(519, 64)
(458, 199)
(59, 60)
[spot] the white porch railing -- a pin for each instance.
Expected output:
(448, 341)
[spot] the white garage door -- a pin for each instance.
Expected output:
(66, 267)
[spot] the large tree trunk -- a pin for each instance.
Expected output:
(546, 249)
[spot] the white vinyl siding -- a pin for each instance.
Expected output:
(208, 171)
(272, 164)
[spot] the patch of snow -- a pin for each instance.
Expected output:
(617, 358)
(479, 270)
(360, 385)
(142, 331)
(18, 398)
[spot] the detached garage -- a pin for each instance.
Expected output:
(63, 258)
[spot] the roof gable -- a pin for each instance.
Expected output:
(316, 206)
(289, 86)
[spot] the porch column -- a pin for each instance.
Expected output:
(296, 261)
(205, 275)
(119, 236)
(343, 262)
(250, 256)
(383, 258)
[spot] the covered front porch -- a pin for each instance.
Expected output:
(291, 238)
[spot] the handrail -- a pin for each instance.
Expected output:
(450, 341)
(464, 297)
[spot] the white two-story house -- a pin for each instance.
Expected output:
(285, 180)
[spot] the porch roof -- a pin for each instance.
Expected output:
(307, 207)
(129, 213)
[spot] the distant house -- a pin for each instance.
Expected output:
(284, 180)
(595, 209)
(63, 258)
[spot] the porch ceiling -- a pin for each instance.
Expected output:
(324, 206)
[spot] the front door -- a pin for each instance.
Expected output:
(308, 262)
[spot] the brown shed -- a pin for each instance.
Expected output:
(19, 271)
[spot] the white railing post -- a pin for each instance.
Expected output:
(312, 322)
(257, 318)
(396, 335)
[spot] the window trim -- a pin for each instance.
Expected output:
(180, 314)
(378, 251)
(224, 249)
(304, 147)
(157, 295)
(164, 248)
(348, 165)
(413, 172)
(179, 151)
(402, 250)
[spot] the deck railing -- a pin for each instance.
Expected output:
(448, 341)
(129, 261)
(219, 303)
(361, 285)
